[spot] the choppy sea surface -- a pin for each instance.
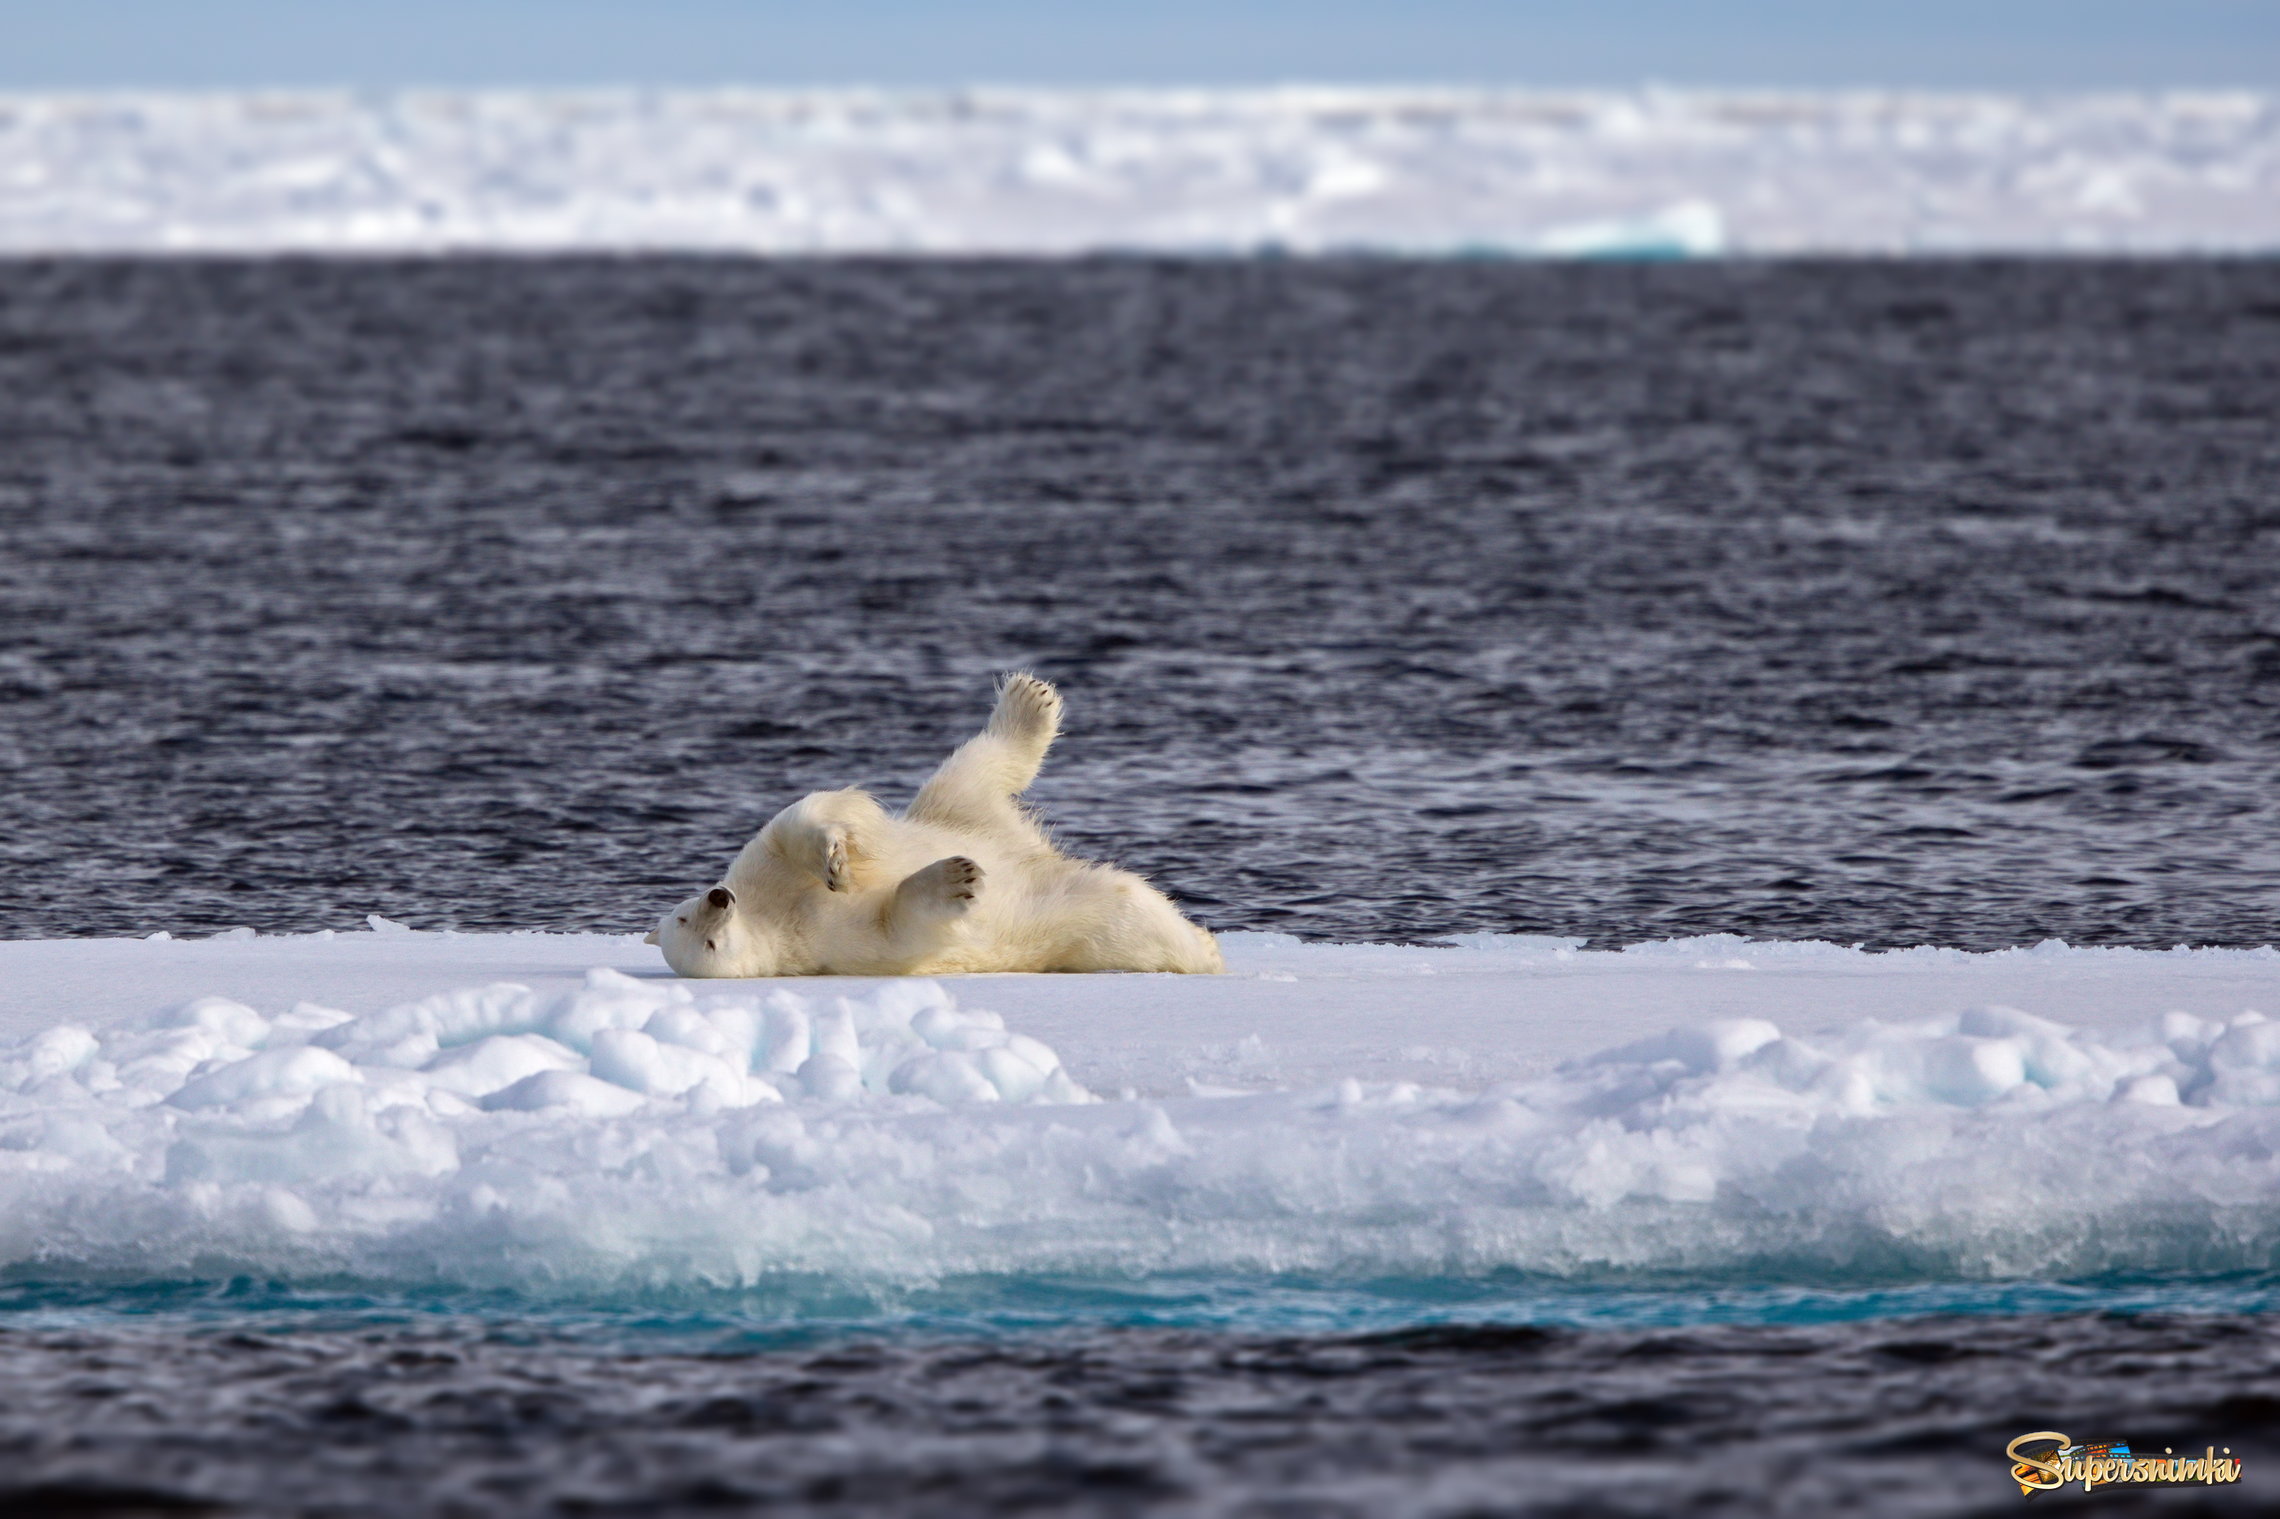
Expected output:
(1896, 603)
(1885, 602)
(325, 1410)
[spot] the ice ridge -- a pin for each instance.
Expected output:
(644, 1134)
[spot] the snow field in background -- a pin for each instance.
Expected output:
(1637, 173)
(623, 1133)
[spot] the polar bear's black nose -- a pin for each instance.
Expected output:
(721, 897)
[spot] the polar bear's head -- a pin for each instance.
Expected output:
(707, 937)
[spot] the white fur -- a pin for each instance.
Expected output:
(964, 880)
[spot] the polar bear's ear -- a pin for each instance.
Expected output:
(720, 899)
(649, 937)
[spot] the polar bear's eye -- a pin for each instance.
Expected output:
(684, 922)
(710, 945)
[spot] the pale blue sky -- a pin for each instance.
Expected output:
(2023, 44)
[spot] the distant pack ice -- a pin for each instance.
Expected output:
(1305, 170)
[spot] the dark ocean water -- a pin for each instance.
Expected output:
(1885, 602)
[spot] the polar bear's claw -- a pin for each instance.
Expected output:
(835, 860)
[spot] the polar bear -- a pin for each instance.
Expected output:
(964, 880)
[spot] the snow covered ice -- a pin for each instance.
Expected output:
(390, 1107)
(1642, 173)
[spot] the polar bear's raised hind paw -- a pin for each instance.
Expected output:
(1028, 709)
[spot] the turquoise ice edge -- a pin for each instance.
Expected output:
(793, 1311)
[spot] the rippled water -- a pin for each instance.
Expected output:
(1888, 602)
(1884, 602)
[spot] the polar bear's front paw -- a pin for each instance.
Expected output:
(947, 885)
(834, 860)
